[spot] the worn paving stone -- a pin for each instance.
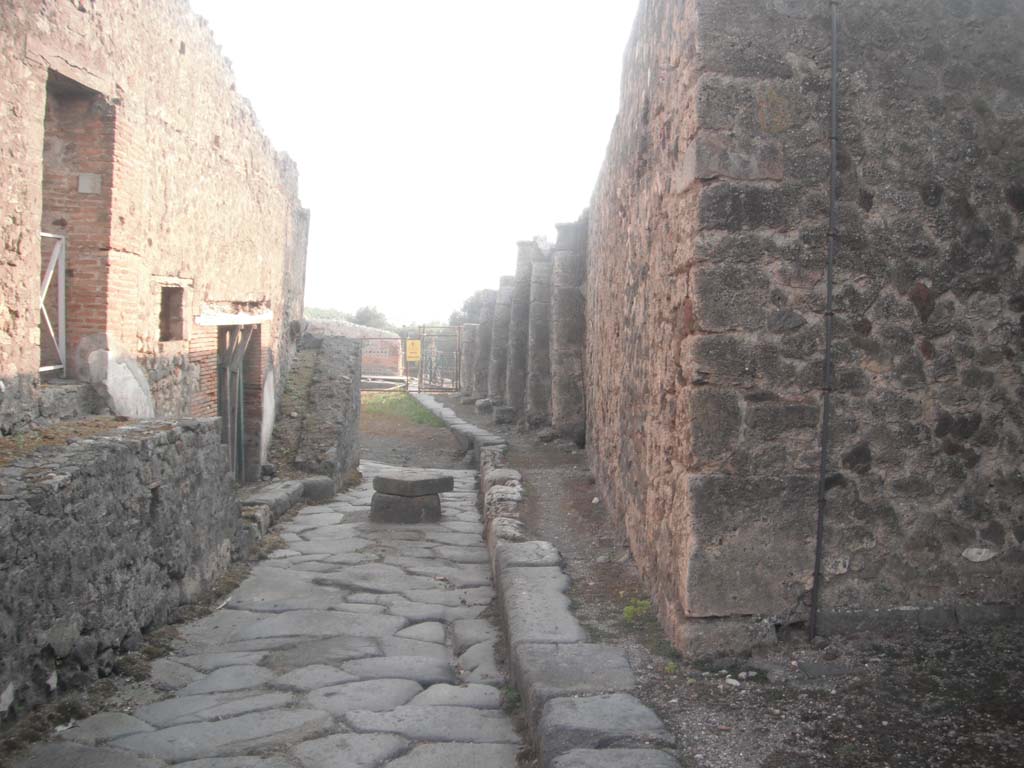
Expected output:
(473, 695)
(313, 676)
(537, 608)
(479, 664)
(526, 554)
(368, 695)
(467, 632)
(331, 650)
(70, 754)
(422, 669)
(169, 675)
(212, 706)
(475, 555)
(376, 577)
(207, 662)
(613, 720)
(304, 522)
(274, 590)
(439, 724)
(453, 598)
(323, 623)
(326, 546)
(105, 726)
(615, 758)
(405, 646)
(350, 750)
(229, 679)
(427, 631)
(413, 482)
(546, 671)
(232, 736)
(459, 756)
(248, 761)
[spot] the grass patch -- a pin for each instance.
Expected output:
(398, 405)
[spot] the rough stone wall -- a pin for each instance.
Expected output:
(496, 373)
(100, 540)
(705, 292)
(484, 335)
(519, 329)
(329, 438)
(928, 417)
(568, 331)
(190, 195)
(467, 372)
(538, 366)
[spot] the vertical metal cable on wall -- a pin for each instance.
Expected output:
(826, 390)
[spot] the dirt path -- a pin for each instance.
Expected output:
(917, 701)
(394, 429)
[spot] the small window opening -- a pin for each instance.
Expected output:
(172, 316)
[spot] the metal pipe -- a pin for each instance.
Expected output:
(826, 396)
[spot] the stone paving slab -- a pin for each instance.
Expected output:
(536, 607)
(458, 756)
(614, 720)
(615, 758)
(546, 671)
(351, 628)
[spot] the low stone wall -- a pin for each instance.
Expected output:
(329, 440)
(101, 540)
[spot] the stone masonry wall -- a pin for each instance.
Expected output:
(538, 368)
(567, 333)
(496, 374)
(329, 436)
(519, 329)
(705, 292)
(100, 540)
(122, 130)
(484, 334)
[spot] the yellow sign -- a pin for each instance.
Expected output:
(412, 350)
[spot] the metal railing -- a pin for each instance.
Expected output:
(56, 265)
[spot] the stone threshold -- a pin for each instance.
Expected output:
(576, 694)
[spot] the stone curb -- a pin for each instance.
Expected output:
(576, 694)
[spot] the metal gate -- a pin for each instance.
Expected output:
(425, 360)
(53, 349)
(440, 358)
(233, 342)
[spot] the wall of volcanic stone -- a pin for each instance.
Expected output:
(705, 307)
(102, 539)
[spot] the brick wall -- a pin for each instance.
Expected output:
(705, 295)
(134, 105)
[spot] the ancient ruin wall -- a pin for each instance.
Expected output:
(538, 366)
(102, 539)
(706, 296)
(195, 197)
(467, 371)
(519, 329)
(496, 373)
(484, 335)
(567, 331)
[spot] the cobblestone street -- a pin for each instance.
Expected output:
(359, 644)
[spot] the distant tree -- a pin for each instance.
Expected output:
(370, 316)
(470, 312)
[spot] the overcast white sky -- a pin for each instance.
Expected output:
(430, 135)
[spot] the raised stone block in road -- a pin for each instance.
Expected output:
(413, 482)
(389, 508)
(504, 414)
